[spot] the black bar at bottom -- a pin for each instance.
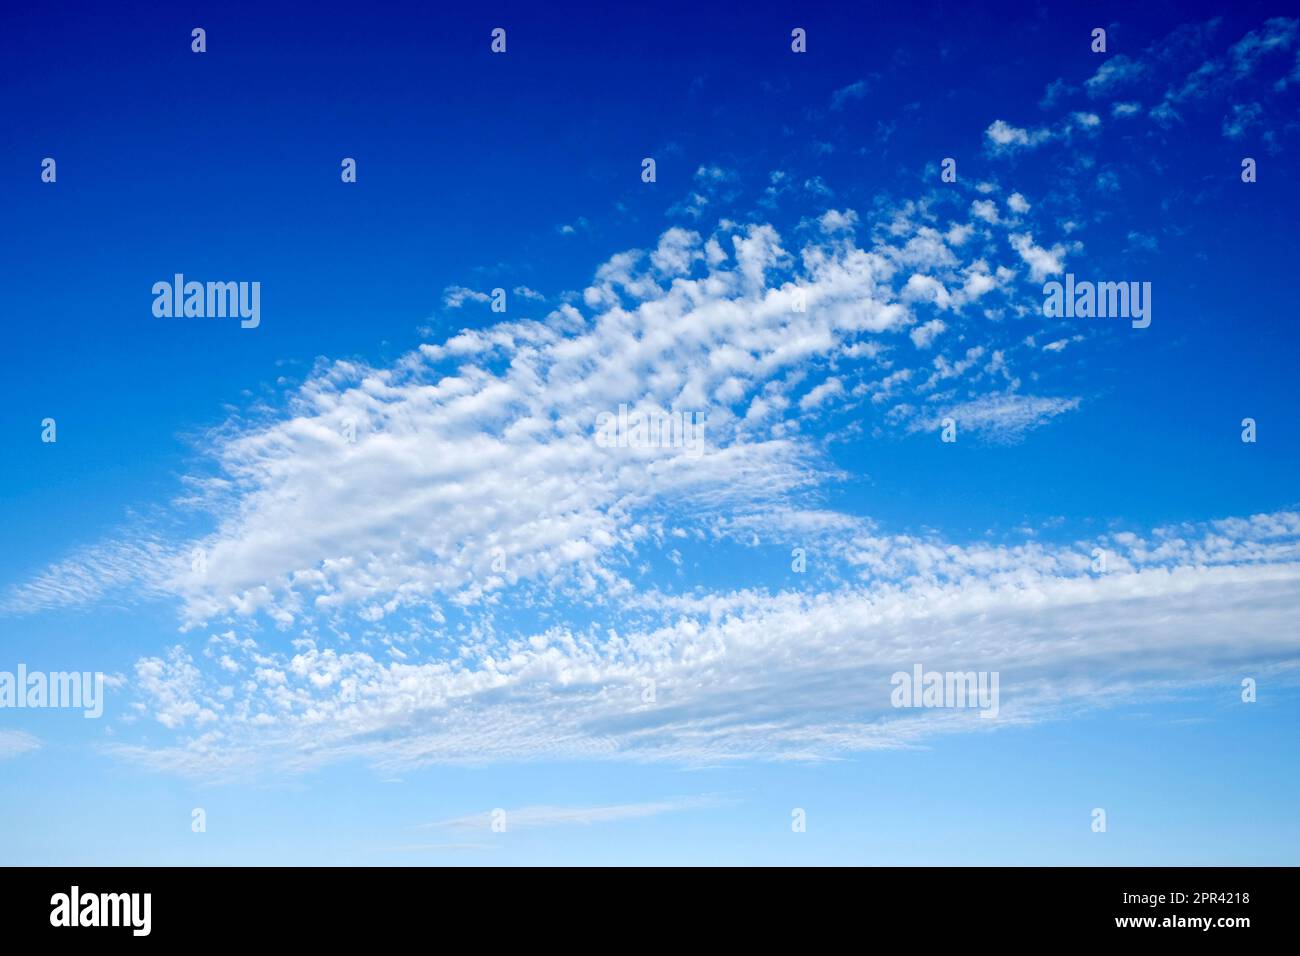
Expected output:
(235, 905)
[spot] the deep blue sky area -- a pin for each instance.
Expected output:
(227, 164)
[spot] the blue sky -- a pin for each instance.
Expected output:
(389, 637)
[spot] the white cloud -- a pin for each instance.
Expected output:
(1006, 138)
(833, 221)
(1005, 418)
(1178, 606)
(923, 336)
(1275, 36)
(1042, 262)
(678, 250)
(377, 490)
(453, 297)
(1240, 119)
(532, 818)
(820, 394)
(715, 174)
(363, 552)
(817, 186)
(573, 228)
(1116, 72)
(349, 588)
(924, 288)
(15, 743)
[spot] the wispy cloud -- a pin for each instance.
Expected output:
(469, 467)
(847, 94)
(376, 539)
(532, 818)
(1174, 606)
(14, 743)
(1005, 418)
